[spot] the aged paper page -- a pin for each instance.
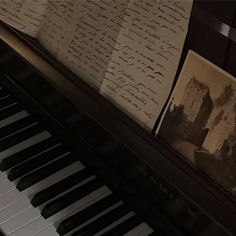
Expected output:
(144, 62)
(88, 48)
(24, 15)
(56, 24)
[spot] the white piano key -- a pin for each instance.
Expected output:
(52, 179)
(114, 224)
(9, 198)
(13, 118)
(20, 130)
(26, 191)
(49, 231)
(147, 232)
(97, 216)
(140, 230)
(24, 144)
(32, 228)
(3, 177)
(4, 97)
(6, 187)
(13, 224)
(14, 209)
(68, 190)
(81, 204)
(44, 151)
(20, 220)
(10, 105)
(92, 177)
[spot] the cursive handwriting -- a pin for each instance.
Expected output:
(23, 15)
(56, 24)
(149, 47)
(94, 34)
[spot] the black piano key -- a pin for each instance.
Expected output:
(5, 58)
(159, 233)
(44, 172)
(156, 234)
(9, 111)
(36, 162)
(59, 187)
(15, 126)
(3, 93)
(124, 227)
(20, 136)
(69, 198)
(6, 101)
(103, 221)
(27, 153)
(86, 214)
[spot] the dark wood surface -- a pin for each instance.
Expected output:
(223, 10)
(230, 62)
(211, 199)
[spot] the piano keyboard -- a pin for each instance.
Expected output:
(46, 191)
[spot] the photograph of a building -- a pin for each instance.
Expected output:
(200, 121)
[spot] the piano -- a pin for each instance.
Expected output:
(73, 164)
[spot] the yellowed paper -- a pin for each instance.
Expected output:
(87, 49)
(143, 65)
(24, 15)
(57, 24)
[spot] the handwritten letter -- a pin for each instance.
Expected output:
(56, 24)
(145, 59)
(129, 49)
(88, 48)
(24, 15)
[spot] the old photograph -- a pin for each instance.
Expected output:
(200, 120)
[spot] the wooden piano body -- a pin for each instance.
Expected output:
(134, 161)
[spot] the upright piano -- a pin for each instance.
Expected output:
(73, 164)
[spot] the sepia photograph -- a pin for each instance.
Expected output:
(200, 120)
